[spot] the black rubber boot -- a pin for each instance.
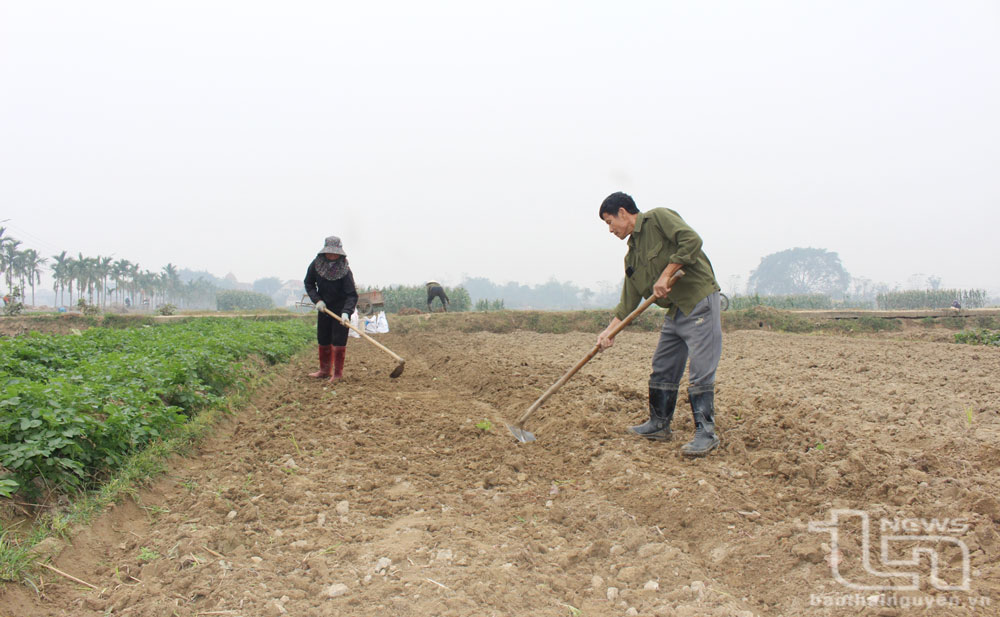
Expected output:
(661, 412)
(705, 440)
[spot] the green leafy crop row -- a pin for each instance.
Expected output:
(978, 337)
(72, 407)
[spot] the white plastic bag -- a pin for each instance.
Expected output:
(381, 323)
(354, 322)
(370, 325)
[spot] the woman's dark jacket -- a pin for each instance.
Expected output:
(340, 295)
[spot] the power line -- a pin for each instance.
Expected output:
(19, 231)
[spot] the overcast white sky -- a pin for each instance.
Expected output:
(443, 139)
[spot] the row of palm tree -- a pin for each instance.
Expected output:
(23, 268)
(102, 280)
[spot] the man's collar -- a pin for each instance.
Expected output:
(639, 218)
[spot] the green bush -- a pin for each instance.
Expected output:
(88, 309)
(235, 300)
(12, 302)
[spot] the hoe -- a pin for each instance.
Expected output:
(396, 372)
(525, 436)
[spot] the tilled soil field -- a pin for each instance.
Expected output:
(410, 497)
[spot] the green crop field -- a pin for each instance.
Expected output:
(72, 407)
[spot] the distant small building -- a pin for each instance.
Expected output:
(289, 293)
(235, 284)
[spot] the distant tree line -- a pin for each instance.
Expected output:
(804, 278)
(100, 280)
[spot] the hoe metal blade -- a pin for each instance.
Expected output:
(521, 435)
(396, 372)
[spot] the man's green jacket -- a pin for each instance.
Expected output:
(661, 237)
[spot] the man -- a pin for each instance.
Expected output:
(434, 290)
(659, 244)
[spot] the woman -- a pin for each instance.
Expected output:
(330, 285)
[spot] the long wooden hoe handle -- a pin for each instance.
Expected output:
(364, 335)
(593, 352)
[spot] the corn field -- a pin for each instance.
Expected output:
(795, 301)
(931, 299)
(415, 297)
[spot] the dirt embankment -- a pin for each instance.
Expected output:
(394, 497)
